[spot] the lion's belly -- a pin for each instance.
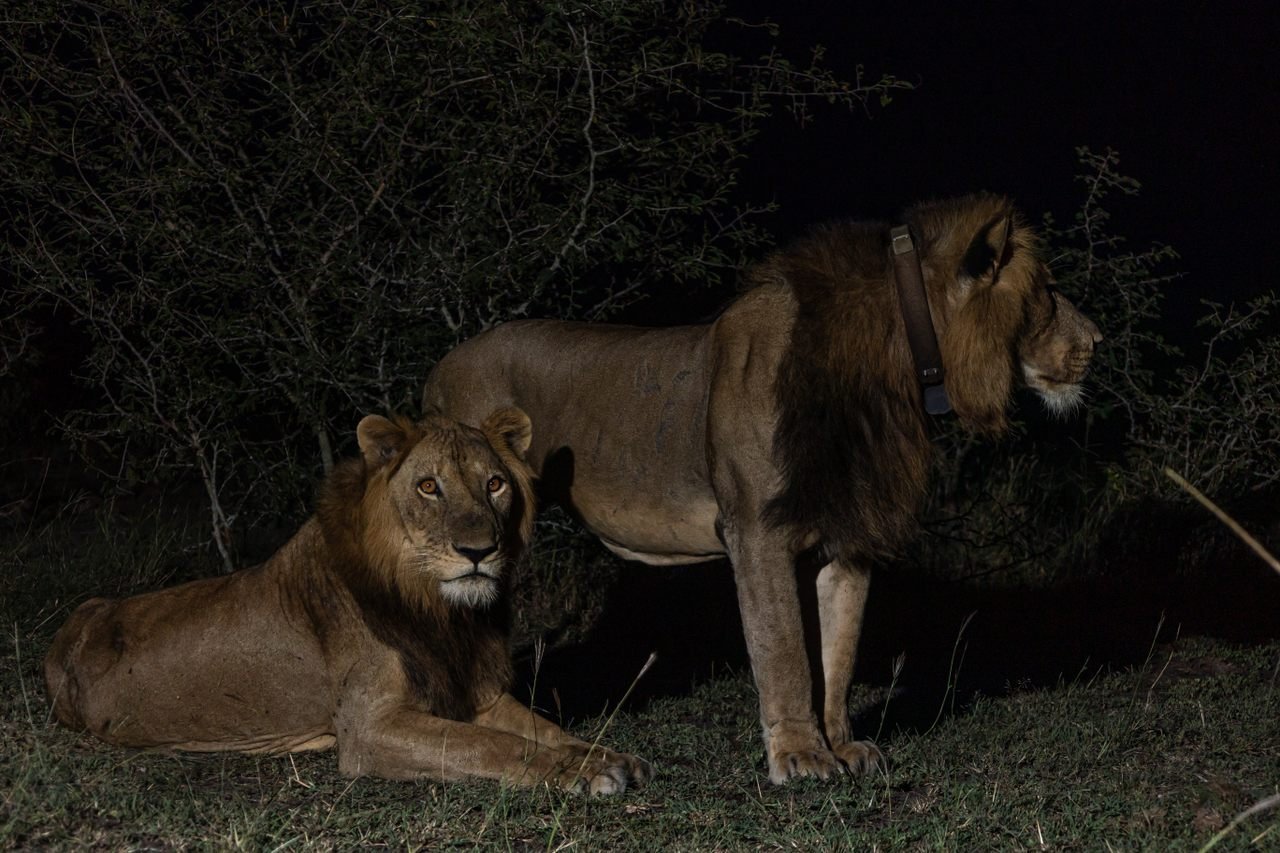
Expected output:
(660, 534)
(636, 480)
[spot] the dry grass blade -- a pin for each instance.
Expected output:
(1257, 808)
(595, 744)
(1230, 522)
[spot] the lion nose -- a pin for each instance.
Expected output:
(1094, 332)
(475, 555)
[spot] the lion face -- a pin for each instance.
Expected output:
(1056, 350)
(453, 496)
(452, 504)
(1007, 324)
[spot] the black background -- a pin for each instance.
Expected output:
(1185, 92)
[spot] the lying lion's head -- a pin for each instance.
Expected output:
(436, 510)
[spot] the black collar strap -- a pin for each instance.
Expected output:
(915, 311)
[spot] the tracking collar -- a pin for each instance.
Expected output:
(915, 311)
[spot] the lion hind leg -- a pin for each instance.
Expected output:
(78, 654)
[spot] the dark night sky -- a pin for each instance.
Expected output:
(1186, 92)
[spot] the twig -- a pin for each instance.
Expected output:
(1267, 556)
(571, 242)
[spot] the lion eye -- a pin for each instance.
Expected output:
(429, 488)
(495, 485)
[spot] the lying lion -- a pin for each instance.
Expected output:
(370, 630)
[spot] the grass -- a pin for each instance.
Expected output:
(1162, 754)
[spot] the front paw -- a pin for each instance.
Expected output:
(860, 756)
(594, 777)
(639, 771)
(821, 763)
(597, 770)
(794, 750)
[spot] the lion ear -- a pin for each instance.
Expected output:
(379, 439)
(510, 427)
(989, 250)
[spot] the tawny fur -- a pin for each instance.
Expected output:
(347, 635)
(791, 428)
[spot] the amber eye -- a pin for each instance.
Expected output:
(429, 488)
(495, 485)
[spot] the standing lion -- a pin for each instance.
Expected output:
(790, 431)
(372, 629)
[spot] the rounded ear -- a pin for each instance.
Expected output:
(990, 248)
(509, 427)
(379, 439)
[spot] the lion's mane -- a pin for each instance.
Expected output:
(852, 439)
(448, 653)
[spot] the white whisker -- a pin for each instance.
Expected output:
(1063, 401)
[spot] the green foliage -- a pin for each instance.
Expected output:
(1036, 506)
(270, 218)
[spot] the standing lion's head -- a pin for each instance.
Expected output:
(1003, 321)
(852, 437)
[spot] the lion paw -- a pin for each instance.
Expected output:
(860, 756)
(821, 763)
(794, 751)
(600, 771)
(639, 771)
(605, 781)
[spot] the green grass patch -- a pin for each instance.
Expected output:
(1157, 756)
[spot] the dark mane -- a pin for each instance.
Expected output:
(850, 437)
(852, 440)
(453, 657)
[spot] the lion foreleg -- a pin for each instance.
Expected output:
(408, 744)
(507, 715)
(842, 598)
(764, 571)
